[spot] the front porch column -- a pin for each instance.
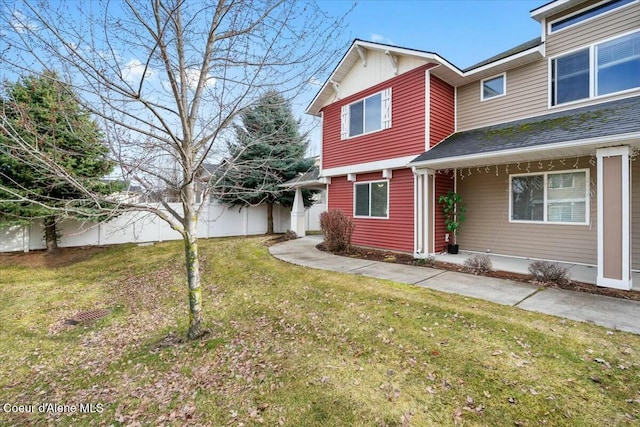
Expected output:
(614, 218)
(422, 212)
(298, 214)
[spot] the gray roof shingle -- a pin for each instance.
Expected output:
(611, 118)
(311, 177)
(507, 53)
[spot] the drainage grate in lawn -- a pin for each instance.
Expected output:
(87, 316)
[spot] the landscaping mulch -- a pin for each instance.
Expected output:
(407, 259)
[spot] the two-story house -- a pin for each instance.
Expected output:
(539, 141)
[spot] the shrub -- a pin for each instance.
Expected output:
(337, 229)
(548, 272)
(478, 263)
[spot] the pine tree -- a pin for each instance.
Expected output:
(44, 114)
(268, 150)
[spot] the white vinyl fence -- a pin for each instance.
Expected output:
(218, 220)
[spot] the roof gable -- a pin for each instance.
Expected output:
(359, 59)
(406, 59)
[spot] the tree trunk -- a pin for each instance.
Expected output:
(50, 234)
(269, 218)
(192, 263)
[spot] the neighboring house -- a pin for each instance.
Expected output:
(304, 219)
(538, 141)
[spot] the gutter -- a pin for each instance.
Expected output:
(492, 155)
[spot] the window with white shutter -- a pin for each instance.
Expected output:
(386, 108)
(367, 115)
(344, 128)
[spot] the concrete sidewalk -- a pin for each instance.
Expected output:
(609, 312)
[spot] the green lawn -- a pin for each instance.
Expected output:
(293, 346)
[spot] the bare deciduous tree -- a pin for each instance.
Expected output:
(167, 78)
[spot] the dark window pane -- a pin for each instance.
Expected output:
(356, 117)
(571, 77)
(373, 111)
(588, 14)
(527, 198)
(362, 199)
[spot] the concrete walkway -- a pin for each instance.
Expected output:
(605, 311)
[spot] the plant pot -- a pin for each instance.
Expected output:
(452, 249)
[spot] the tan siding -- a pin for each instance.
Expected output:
(635, 215)
(526, 96)
(527, 86)
(487, 226)
(585, 33)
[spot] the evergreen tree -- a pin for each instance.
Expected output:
(268, 150)
(43, 113)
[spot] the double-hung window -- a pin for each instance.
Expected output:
(601, 69)
(554, 197)
(371, 199)
(367, 115)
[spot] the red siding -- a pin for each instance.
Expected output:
(405, 137)
(396, 232)
(444, 184)
(442, 111)
(442, 124)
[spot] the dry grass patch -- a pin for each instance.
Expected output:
(295, 346)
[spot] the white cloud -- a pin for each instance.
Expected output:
(20, 23)
(133, 71)
(193, 75)
(378, 38)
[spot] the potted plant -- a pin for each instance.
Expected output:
(453, 210)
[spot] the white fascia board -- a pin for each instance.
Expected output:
(396, 163)
(427, 56)
(431, 57)
(538, 49)
(548, 9)
(496, 155)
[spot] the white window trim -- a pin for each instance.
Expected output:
(504, 87)
(550, 23)
(370, 183)
(587, 214)
(386, 107)
(592, 73)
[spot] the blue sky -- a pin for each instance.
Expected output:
(462, 31)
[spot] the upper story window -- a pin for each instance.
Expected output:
(587, 14)
(493, 87)
(370, 114)
(601, 69)
(371, 199)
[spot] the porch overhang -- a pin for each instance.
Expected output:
(571, 133)
(311, 180)
(578, 148)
